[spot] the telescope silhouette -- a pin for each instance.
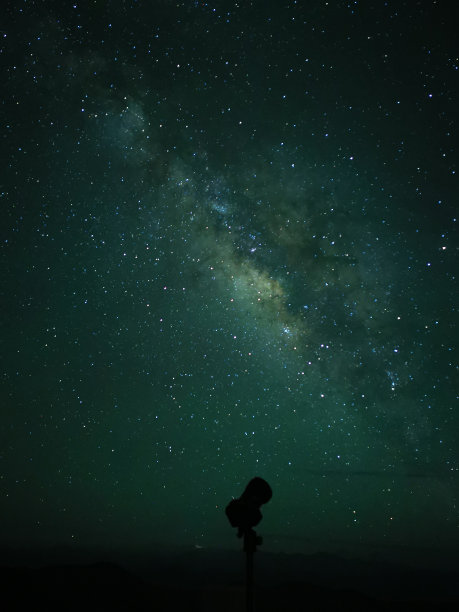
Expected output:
(244, 513)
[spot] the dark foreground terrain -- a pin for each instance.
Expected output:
(205, 580)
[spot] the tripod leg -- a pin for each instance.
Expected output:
(249, 582)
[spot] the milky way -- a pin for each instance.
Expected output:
(229, 239)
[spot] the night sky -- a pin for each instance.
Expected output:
(229, 239)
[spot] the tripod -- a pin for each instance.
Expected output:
(251, 540)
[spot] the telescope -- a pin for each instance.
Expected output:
(244, 514)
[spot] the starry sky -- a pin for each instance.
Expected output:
(228, 250)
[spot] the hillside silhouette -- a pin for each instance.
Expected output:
(205, 580)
